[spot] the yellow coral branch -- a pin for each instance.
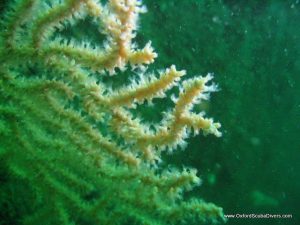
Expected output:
(146, 90)
(56, 14)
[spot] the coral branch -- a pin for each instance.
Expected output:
(146, 90)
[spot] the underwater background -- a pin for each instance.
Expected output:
(253, 49)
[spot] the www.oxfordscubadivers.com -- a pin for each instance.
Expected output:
(258, 216)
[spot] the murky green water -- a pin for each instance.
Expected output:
(253, 48)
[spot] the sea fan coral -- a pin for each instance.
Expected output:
(72, 140)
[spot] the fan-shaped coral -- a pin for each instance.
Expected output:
(74, 142)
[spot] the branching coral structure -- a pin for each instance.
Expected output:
(75, 142)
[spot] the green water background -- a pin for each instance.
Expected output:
(253, 48)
